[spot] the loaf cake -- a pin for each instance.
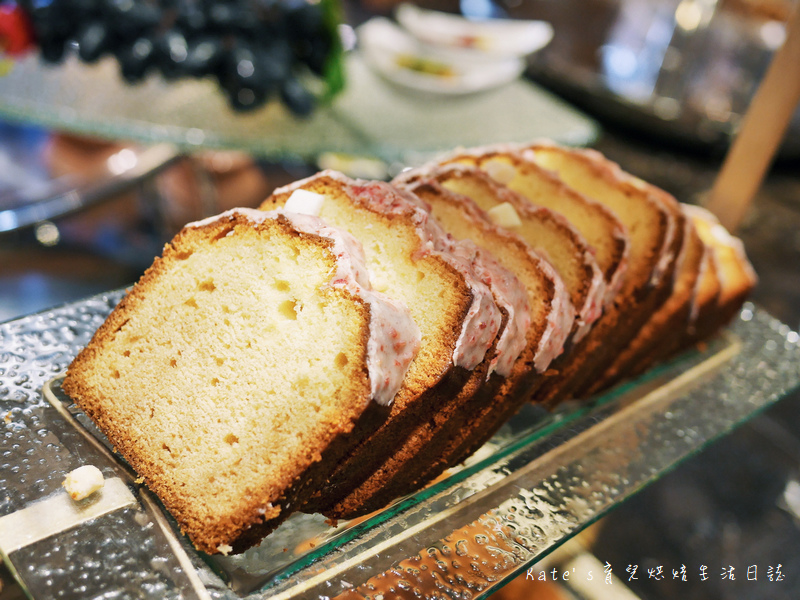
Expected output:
(682, 271)
(709, 285)
(655, 340)
(351, 340)
(420, 458)
(677, 312)
(247, 319)
(601, 229)
(409, 259)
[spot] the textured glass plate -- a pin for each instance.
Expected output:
(540, 481)
(369, 118)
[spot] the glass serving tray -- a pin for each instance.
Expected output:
(541, 480)
(370, 117)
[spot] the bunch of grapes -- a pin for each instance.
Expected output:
(255, 49)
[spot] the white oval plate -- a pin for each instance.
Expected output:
(404, 60)
(496, 37)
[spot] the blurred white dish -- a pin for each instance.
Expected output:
(496, 37)
(404, 60)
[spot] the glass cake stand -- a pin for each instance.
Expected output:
(371, 117)
(540, 481)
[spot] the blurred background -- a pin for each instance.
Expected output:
(96, 174)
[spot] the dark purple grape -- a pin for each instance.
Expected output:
(254, 48)
(52, 50)
(80, 11)
(240, 65)
(137, 59)
(298, 99)
(305, 21)
(171, 51)
(276, 59)
(49, 23)
(244, 99)
(191, 18)
(204, 56)
(317, 57)
(131, 18)
(227, 16)
(93, 40)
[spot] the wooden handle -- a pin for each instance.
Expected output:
(762, 130)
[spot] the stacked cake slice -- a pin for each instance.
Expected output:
(246, 362)
(351, 340)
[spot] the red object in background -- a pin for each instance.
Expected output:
(16, 32)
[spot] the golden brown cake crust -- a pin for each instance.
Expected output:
(121, 410)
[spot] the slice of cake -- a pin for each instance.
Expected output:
(675, 314)
(660, 336)
(709, 288)
(655, 239)
(602, 230)
(552, 316)
(736, 275)
(409, 258)
(246, 361)
(421, 457)
(703, 306)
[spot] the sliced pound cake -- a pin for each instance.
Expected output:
(709, 288)
(425, 447)
(655, 238)
(245, 362)
(703, 305)
(601, 229)
(660, 336)
(676, 313)
(736, 275)
(547, 232)
(409, 258)
(552, 317)
(603, 232)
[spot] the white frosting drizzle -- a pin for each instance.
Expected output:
(592, 308)
(303, 201)
(510, 294)
(394, 337)
(595, 300)
(559, 321)
(705, 264)
(507, 291)
(561, 316)
(562, 313)
(483, 319)
(667, 254)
